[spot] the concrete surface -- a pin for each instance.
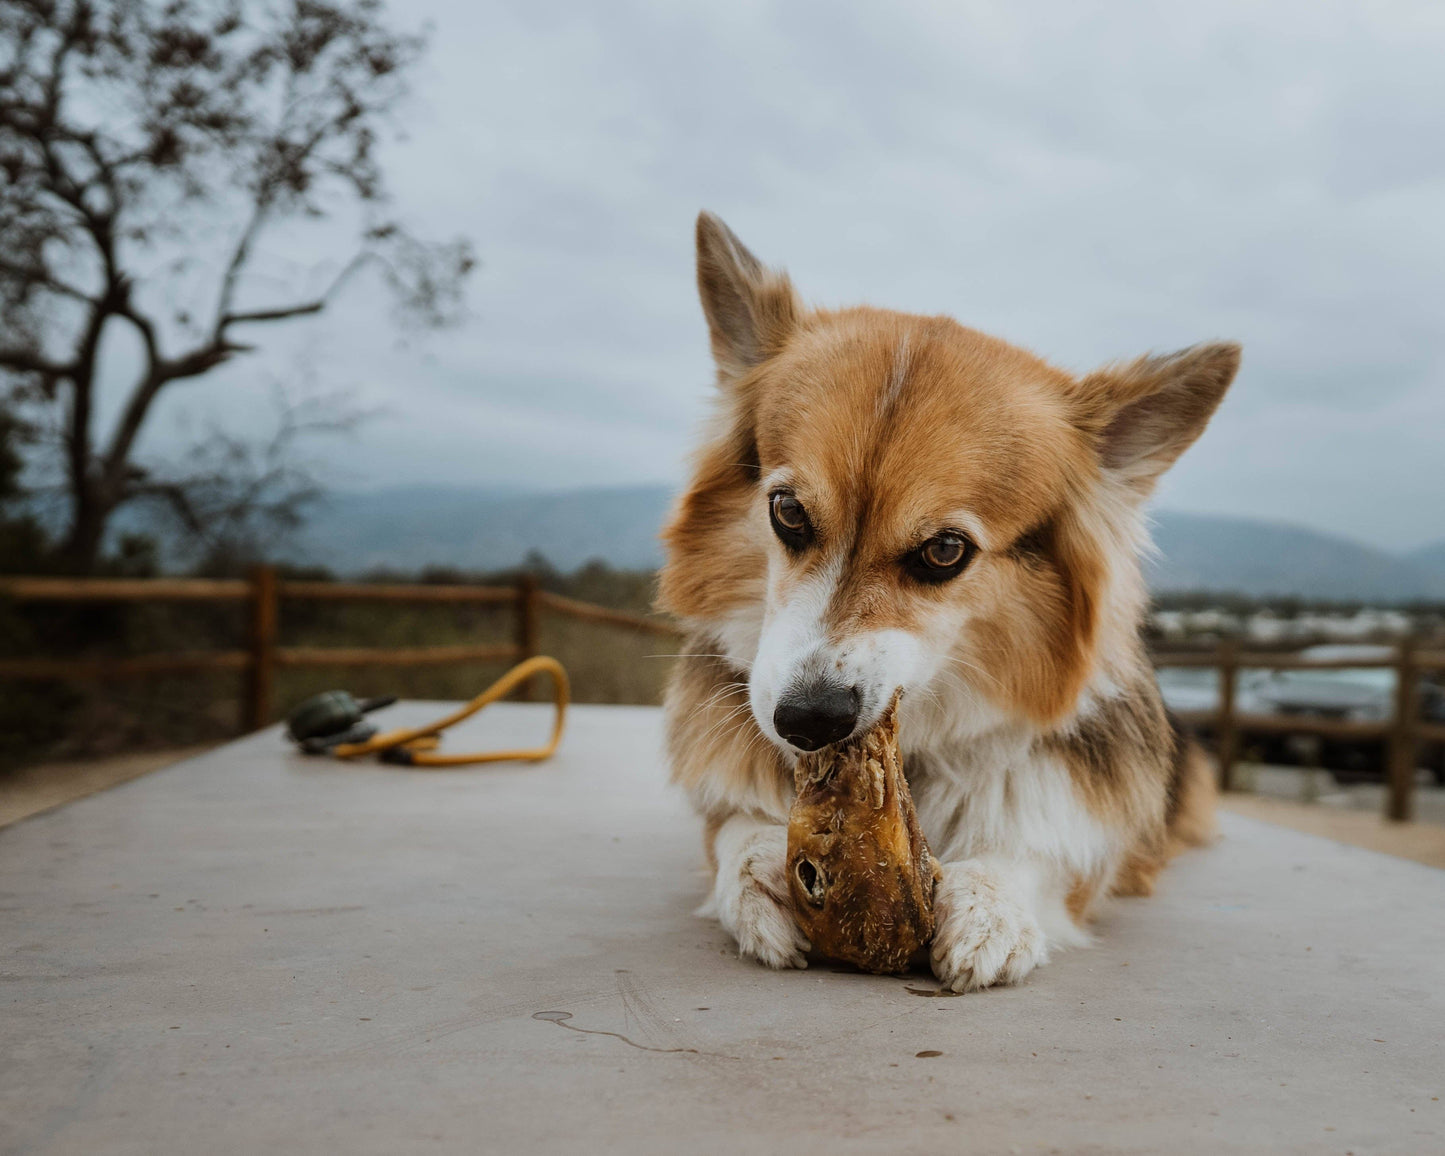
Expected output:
(253, 952)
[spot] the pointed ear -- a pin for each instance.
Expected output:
(1145, 414)
(750, 309)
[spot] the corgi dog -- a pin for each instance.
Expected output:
(885, 503)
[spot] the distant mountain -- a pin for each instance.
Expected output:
(409, 527)
(1431, 557)
(1202, 552)
(482, 529)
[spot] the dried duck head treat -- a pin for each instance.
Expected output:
(861, 875)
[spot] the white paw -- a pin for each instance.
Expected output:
(766, 931)
(984, 936)
(751, 899)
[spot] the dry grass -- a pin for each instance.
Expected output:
(605, 664)
(49, 722)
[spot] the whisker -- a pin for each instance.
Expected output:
(976, 669)
(723, 721)
(756, 738)
(713, 700)
(730, 729)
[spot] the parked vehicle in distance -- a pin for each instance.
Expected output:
(1352, 694)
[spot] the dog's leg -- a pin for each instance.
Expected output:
(750, 895)
(991, 918)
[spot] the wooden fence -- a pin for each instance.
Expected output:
(262, 594)
(1402, 733)
(264, 591)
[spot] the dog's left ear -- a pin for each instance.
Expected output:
(1145, 414)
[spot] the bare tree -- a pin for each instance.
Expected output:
(128, 129)
(233, 499)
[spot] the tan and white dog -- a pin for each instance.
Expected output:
(887, 501)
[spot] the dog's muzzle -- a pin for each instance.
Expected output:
(816, 714)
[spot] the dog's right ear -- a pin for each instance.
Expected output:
(750, 308)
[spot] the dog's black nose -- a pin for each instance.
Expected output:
(816, 715)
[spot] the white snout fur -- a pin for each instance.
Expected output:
(795, 647)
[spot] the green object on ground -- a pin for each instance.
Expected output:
(331, 714)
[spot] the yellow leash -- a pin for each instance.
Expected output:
(414, 746)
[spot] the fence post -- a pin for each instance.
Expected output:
(527, 614)
(1399, 800)
(260, 672)
(1225, 740)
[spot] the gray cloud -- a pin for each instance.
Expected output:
(1090, 181)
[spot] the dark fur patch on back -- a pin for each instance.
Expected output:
(1179, 742)
(1095, 744)
(1115, 748)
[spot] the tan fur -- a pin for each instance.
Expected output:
(718, 754)
(1081, 897)
(1137, 874)
(1036, 628)
(890, 428)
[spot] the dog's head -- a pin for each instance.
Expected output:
(892, 501)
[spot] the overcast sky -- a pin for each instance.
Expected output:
(1089, 181)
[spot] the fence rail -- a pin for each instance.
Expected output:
(264, 591)
(1403, 732)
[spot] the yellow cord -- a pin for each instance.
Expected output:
(413, 746)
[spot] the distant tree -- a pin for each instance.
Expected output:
(23, 546)
(133, 134)
(232, 499)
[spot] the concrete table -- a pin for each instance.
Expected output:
(253, 952)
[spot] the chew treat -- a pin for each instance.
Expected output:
(861, 875)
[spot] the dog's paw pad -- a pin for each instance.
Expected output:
(983, 936)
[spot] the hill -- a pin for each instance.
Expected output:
(1431, 557)
(409, 527)
(1205, 552)
(481, 529)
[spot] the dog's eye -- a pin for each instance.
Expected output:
(940, 558)
(943, 552)
(790, 520)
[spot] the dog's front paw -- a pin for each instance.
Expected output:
(984, 936)
(751, 900)
(766, 931)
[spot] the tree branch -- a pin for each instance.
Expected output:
(24, 361)
(162, 371)
(199, 360)
(274, 314)
(174, 495)
(203, 358)
(43, 279)
(143, 324)
(235, 264)
(280, 313)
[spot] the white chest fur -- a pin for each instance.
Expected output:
(996, 794)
